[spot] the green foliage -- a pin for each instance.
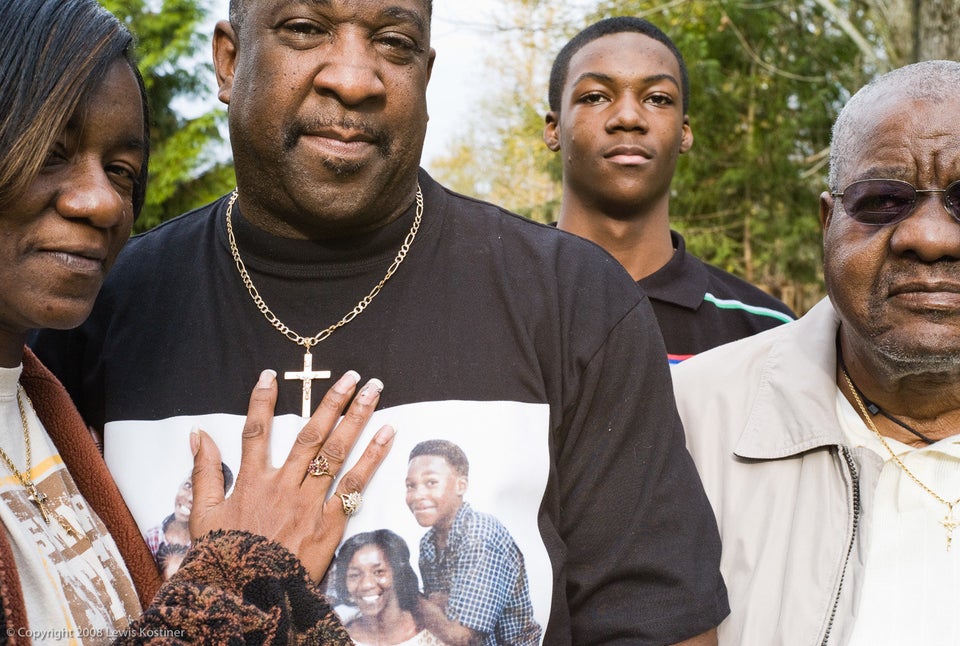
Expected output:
(766, 82)
(187, 166)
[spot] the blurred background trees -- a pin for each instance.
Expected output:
(190, 161)
(767, 80)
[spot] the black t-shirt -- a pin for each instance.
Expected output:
(528, 347)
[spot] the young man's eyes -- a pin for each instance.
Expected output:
(661, 99)
(432, 483)
(591, 98)
(594, 98)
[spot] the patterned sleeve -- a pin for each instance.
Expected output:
(154, 538)
(235, 587)
(487, 571)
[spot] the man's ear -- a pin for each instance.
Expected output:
(430, 60)
(550, 135)
(686, 141)
(225, 48)
(432, 57)
(461, 486)
(826, 209)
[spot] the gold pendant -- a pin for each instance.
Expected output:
(40, 500)
(949, 524)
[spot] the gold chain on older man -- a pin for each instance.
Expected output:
(949, 522)
(308, 374)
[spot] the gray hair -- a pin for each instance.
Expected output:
(926, 81)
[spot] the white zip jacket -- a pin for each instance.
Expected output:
(791, 498)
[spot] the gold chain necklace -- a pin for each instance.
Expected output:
(308, 374)
(948, 522)
(35, 496)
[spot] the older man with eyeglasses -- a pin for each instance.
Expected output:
(831, 452)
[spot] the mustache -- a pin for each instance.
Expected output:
(943, 270)
(381, 138)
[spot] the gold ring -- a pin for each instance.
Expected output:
(319, 467)
(351, 502)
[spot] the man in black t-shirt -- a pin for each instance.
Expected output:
(527, 347)
(618, 114)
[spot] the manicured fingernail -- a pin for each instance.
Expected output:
(384, 435)
(267, 377)
(370, 390)
(194, 442)
(346, 383)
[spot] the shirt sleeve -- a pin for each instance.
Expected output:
(642, 540)
(235, 587)
(485, 577)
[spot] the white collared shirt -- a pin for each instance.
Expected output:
(912, 582)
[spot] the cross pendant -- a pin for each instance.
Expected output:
(40, 500)
(307, 375)
(949, 524)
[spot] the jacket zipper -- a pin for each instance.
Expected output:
(855, 480)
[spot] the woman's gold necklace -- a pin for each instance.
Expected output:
(948, 521)
(308, 374)
(35, 496)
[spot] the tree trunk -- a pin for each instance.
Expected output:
(935, 28)
(919, 30)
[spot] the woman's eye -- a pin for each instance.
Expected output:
(55, 156)
(125, 178)
(124, 172)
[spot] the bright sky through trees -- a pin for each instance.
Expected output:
(461, 29)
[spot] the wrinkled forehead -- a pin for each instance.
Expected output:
(902, 136)
(420, 11)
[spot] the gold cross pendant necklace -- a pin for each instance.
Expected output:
(308, 374)
(948, 522)
(35, 496)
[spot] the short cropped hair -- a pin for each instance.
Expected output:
(931, 81)
(239, 8)
(445, 449)
(605, 27)
(166, 550)
(54, 54)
